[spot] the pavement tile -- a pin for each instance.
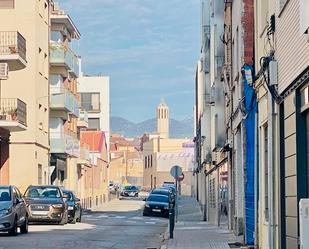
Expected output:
(192, 233)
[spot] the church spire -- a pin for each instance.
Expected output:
(163, 119)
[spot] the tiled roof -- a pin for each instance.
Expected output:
(95, 139)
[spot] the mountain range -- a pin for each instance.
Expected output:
(178, 129)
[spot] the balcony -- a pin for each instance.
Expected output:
(63, 101)
(62, 55)
(82, 121)
(13, 115)
(84, 157)
(13, 50)
(64, 143)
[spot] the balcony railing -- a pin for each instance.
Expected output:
(13, 110)
(64, 143)
(84, 152)
(60, 54)
(82, 121)
(63, 99)
(13, 49)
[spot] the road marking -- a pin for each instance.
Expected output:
(118, 217)
(150, 222)
(137, 218)
(131, 221)
(87, 215)
(103, 216)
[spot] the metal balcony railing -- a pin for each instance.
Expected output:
(13, 110)
(83, 115)
(62, 54)
(12, 42)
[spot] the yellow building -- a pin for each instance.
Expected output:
(126, 162)
(64, 102)
(160, 153)
(29, 149)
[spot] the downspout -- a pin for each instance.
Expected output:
(271, 168)
(256, 179)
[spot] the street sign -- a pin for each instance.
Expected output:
(181, 177)
(176, 171)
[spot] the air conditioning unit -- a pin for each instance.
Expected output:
(304, 223)
(4, 71)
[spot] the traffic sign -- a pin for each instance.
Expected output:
(176, 171)
(181, 177)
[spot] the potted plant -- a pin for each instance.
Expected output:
(12, 49)
(13, 113)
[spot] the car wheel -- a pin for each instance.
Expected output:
(64, 219)
(24, 227)
(13, 231)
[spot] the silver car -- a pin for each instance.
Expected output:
(13, 211)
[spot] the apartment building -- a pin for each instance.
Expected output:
(64, 101)
(13, 112)
(94, 99)
(292, 56)
(26, 91)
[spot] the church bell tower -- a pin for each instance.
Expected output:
(163, 119)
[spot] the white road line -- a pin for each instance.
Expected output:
(118, 217)
(137, 218)
(103, 216)
(131, 221)
(150, 222)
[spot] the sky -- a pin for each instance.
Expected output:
(148, 48)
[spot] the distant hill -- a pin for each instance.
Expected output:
(178, 129)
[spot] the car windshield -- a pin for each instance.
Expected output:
(157, 198)
(129, 188)
(5, 194)
(160, 191)
(43, 192)
(69, 194)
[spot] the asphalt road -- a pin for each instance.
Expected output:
(117, 225)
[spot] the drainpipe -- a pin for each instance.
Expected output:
(271, 169)
(256, 179)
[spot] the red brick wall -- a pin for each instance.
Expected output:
(248, 25)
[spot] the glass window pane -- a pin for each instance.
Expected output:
(93, 124)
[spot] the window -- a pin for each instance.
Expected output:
(6, 4)
(145, 162)
(94, 124)
(266, 210)
(39, 174)
(90, 102)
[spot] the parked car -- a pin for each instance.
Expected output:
(13, 211)
(74, 207)
(157, 205)
(46, 204)
(129, 191)
(165, 191)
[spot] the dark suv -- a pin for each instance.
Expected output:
(46, 204)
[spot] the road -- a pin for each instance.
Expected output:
(117, 225)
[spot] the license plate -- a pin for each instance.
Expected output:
(131, 194)
(70, 208)
(156, 210)
(39, 212)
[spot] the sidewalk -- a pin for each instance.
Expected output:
(193, 233)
